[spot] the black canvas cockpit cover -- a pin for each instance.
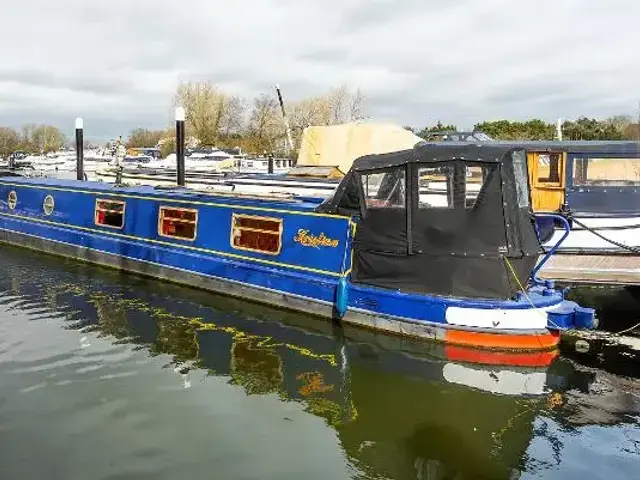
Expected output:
(444, 219)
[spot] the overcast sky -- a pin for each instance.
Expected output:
(117, 63)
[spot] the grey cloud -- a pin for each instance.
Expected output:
(417, 61)
(367, 14)
(533, 91)
(49, 79)
(326, 55)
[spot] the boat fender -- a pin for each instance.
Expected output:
(584, 317)
(342, 297)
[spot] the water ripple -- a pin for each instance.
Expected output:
(105, 376)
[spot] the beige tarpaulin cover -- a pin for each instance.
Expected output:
(340, 145)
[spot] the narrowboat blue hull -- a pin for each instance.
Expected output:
(309, 272)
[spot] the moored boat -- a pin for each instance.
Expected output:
(596, 187)
(452, 264)
(326, 154)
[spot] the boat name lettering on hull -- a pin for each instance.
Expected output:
(306, 239)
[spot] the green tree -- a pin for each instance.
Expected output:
(438, 127)
(591, 129)
(534, 129)
(537, 129)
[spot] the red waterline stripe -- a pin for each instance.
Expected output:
(526, 342)
(542, 358)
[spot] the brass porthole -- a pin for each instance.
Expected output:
(48, 205)
(12, 200)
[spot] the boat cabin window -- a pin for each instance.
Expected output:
(606, 172)
(109, 213)
(385, 189)
(475, 176)
(549, 168)
(177, 223)
(521, 179)
(256, 234)
(435, 186)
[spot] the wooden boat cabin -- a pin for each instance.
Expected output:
(432, 242)
(601, 177)
(596, 186)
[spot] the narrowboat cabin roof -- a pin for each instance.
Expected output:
(424, 152)
(575, 146)
(454, 136)
(346, 194)
(179, 194)
(571, 146)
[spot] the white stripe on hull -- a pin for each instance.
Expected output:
(496, 318)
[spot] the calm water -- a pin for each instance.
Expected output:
(108, 376)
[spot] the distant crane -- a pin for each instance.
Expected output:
(286, 120)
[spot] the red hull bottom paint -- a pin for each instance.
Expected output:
(542, 358)
(496, 341)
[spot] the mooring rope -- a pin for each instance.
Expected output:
(627, 330)
(524, 292)
(513, 272)
(613, 242)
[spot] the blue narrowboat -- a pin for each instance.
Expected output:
(457, 265)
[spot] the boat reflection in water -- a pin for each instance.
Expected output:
(400, 409)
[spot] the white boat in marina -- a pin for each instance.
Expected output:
(317, 172)
(65, 161)
(200, 168)
(54, 161)
(261, 165)
(94, 159)
(131, 161)
(212, 162)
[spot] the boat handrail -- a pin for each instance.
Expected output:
(551, 251)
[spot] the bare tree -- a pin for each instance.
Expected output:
(344, 105)
(9, 141)
(211, 112)
(266, 127)
(357, 106)
(42, 138)
(338, 105)
(233, 119)
(142, 137)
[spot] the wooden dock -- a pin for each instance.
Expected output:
(593, 269)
